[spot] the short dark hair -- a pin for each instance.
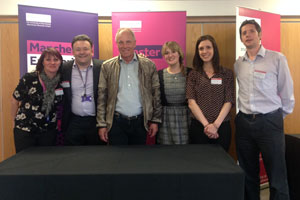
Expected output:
(82, 37)
(251, 21)
(49, 51)
(198, 62)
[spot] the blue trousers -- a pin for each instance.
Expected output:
(262, 133)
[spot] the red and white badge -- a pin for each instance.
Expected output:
(259, 74)
(59, 92)
(65, 84)
(216, 81)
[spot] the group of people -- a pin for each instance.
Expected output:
(125, 100)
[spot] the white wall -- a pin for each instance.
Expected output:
(193, 8)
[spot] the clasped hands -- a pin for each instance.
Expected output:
(211, 130)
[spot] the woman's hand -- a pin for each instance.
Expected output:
(211, 131)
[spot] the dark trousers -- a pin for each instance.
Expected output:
(197, 135)
(82, 131)
(262, 133)
(24, 139)
(127, 131)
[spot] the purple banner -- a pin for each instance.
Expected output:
(40, 28)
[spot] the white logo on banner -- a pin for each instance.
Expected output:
(135, 26)
(40, 20)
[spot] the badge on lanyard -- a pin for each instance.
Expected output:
(216, 81)
(86, 98)
(259, 74)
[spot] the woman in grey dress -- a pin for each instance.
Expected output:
(175, 116)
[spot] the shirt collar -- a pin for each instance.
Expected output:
(134, 58)
(90, 66)
(261, 52)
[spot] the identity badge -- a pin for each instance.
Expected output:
(59, 92)
(216, 81)
(259, 74)
(86, 98)
(65, 84)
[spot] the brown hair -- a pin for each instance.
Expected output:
(49, 51)
(198, 62)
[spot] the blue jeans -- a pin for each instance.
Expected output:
(262, 133)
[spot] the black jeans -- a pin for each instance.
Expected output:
(24, 139)
(126, 131)
(197, 135)
(82, 131)
(262, 133)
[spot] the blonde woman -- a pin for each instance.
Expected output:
(175, 114)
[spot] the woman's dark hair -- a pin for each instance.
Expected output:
(49, 51)
(198, 62)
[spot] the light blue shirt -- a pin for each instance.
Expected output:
(129, 98)
(265, 84)
(79, 107)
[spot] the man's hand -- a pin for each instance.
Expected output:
(102, 132)
(153, 128)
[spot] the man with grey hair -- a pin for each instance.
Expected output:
(80, 82)
(128, 95)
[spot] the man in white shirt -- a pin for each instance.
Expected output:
(265, 97)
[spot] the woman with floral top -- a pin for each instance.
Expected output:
(34, 102)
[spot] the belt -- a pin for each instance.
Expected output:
(83, 117)
(254, 116)
(127, 117)
(176, 104)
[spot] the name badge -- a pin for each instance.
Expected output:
(216, 81)
(86, 98)
(65, 84)
(259, 74)
(59, 92)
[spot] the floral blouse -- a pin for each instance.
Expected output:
(30, 116)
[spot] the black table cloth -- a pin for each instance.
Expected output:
(122, 172)
(293, 164)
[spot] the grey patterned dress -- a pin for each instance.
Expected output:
(175, 115)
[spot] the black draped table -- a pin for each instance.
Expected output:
(122, 172)
(293, 164)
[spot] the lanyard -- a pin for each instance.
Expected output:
(86, 77)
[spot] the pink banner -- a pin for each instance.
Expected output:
(152, 30)
(270, 24)
(37, 47)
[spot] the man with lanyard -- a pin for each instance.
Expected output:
(80, 83)
(265, 97)
(129, 95)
